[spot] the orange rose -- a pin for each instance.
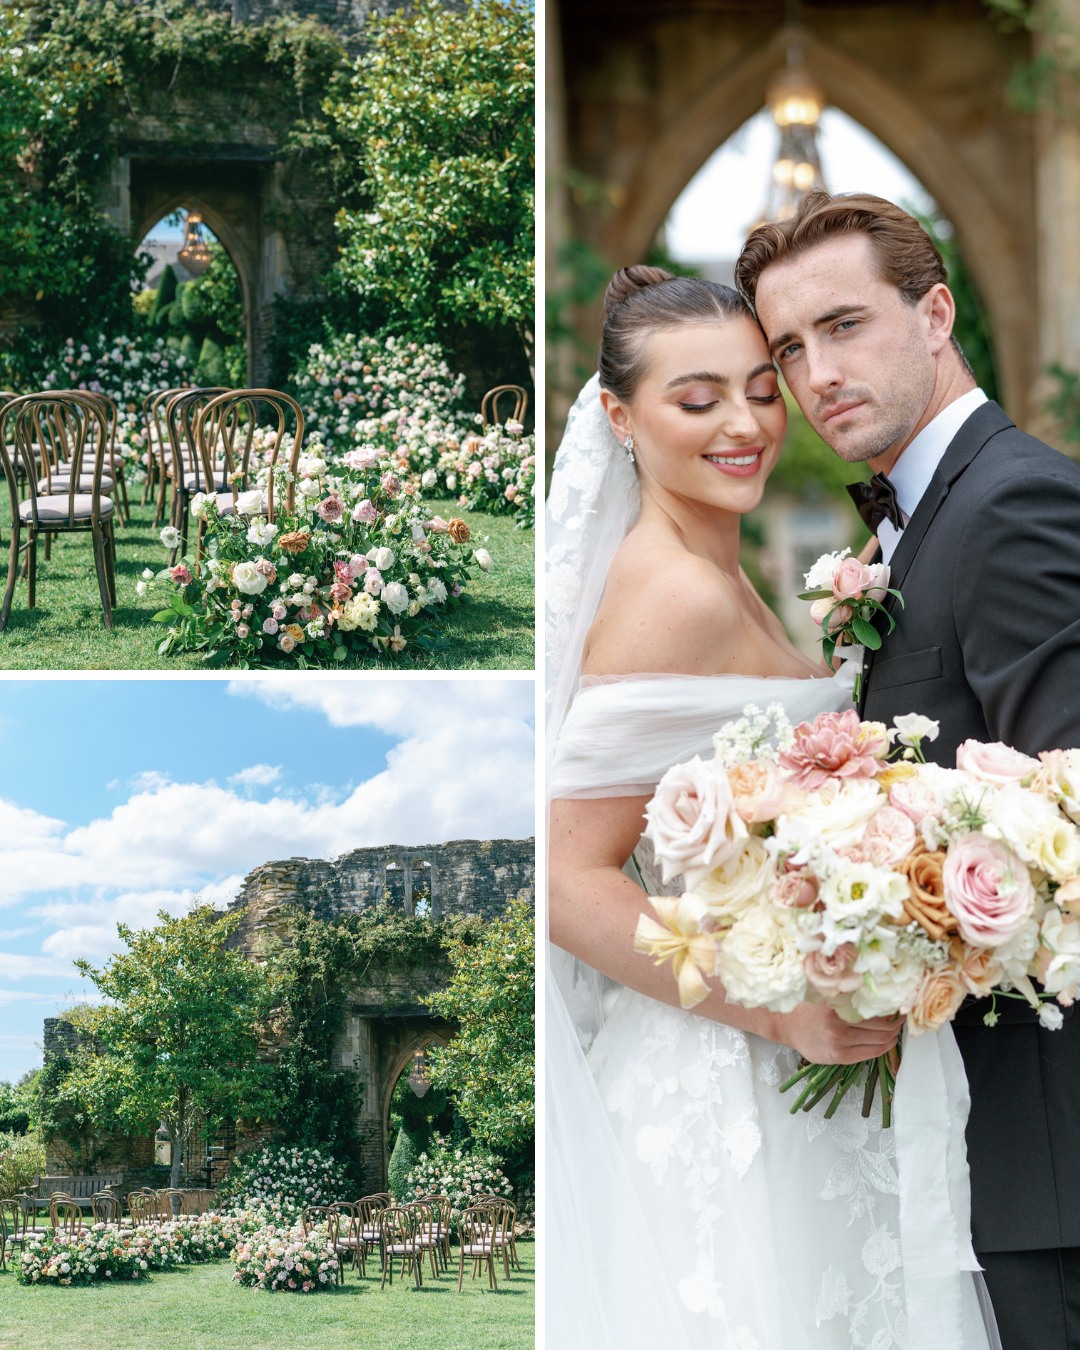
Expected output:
(459, 532)
(926, 903)
(976, 968)
(936, 999)
(295, 541)
(294, 631)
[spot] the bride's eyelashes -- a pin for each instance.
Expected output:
(751, 398)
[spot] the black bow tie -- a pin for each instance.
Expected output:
(876, 501)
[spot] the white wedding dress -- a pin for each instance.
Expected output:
(684, 1206)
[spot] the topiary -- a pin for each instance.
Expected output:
(403, 1160)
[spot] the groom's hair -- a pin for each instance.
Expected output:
(644, 300)
(907, 256)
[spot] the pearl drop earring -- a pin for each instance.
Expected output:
(628, 446)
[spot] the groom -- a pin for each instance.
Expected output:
(980, 524)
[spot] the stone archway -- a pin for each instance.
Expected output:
(642, 95)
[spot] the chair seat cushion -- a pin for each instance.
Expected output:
(196, 482)
(60, 483)
(56, 508)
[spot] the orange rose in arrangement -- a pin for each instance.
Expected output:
(936, 1000)
(926, 903)
(295, 541)
(458, 531)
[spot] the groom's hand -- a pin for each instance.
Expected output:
(822, 1037)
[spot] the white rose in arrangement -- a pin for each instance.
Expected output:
(383, 558)
(483, 559)
(248, 579)
(309, 487)
(395, 597)
(147, 574)
(437, 587)
(199, 504)
(836, 816)
(761, 963)
(693, 822)
(251, 503)
(1059, 955)
(740, 882)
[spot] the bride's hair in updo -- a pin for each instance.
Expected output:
(644, 300)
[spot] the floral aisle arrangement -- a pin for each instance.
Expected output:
(127, 370)
(384, 391)
(280, 1182)
(288, 1260)
(359, 564)
(103, 1252)
(493, 471)
(830, 862)
(461, 1174)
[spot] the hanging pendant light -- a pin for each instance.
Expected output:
(796, 102)
(194, 254)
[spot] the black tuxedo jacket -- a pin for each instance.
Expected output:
(988, 642)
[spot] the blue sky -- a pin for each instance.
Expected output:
(119, 798)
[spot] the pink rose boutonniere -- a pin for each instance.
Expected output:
(845, 596)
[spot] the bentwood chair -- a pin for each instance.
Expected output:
(19, 1230)
(181, 413)
(398, 1239)
(142, 1208)
(65, 1215)
(426, 1222)
(105, 1207)
(443, 1209)
(70, 503)
(243, 436)
(504, 1216)
(113, 483)
(505, 393)
(349, 1243)
(158, 452)
(476, 1231)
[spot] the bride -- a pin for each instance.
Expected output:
(685, 1205)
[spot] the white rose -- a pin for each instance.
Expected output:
(1036, 830)
(761, 964)
(437, 589)
(693, 824)
(199, 504)
(836, 816)
(483, 559)
(1060, 936)
(140, 588)
(395, 597)
(383, 558)
(309, 487)
(738, 883)
(147, 574)
(247, 579)
(251, 503)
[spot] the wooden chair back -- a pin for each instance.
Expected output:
(65, 1215)
(489, 406)
(44, 431)
(106, 1208)
(225, 434)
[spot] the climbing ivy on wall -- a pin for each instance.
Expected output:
(71, 73)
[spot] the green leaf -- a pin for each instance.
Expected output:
(866, 633)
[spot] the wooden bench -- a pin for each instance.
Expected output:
(79, 1188)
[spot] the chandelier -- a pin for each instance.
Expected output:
(795, 101)
(419, 1079)
(195, 252)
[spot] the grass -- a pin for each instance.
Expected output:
(199, 1307)
(65, 630)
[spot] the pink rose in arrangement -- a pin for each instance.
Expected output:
(331, 509)
(693, 823)
(988, 889)
(757, 789)
(833, 974)
(797, 889)
(180, 574)
(390, 483)
(851, 579)
(835, 745)
(914, 798)
(279, 611)
(994, 762)
(890, 836)
(362, 458)
(340, 591)
(270, 626)
(364, 513)
(358, 565)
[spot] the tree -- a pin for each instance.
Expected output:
(488, 1066)
(179, 1042)
(440, 117)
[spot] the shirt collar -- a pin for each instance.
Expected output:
(911, 473)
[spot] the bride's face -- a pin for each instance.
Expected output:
(707, 418)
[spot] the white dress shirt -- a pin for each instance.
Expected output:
(912, 472)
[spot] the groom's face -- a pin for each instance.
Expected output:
(854, 353)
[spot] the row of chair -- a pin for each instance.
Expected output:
(58, 453)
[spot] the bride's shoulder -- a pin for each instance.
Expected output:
(664, 610)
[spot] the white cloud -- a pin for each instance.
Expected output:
(17, 966)
(259, 775)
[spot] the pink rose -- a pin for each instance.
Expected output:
(341, 591)
(693, 823)
(796, 890)
(851, 579)
(878, 587)
(914, 798)
(364, 513)
(437, 525)
(270, 626)
(362, 458)
(390, 483)
(757, 789)
(994, 762)
(242, 630)
(819, 610)
(833, 974)
(358, 565)
(180, 574)
(331, 509)
(835, 745)
(373, 581)
(890, 836)
(988, 889)
(278, 611)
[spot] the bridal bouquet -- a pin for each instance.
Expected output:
(830, 862)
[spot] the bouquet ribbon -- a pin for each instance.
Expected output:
(930, 1113)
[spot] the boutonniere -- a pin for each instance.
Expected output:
(845, 595)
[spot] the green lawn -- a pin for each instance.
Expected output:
(65, 630)
(200, 1306)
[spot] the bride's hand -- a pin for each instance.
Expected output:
(822, 1037)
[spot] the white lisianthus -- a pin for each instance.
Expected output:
(820, 576)
(912, 728)
(1059, 778)
(383, 558)
(738, 883)
(248, 579)
(761, 964)
(362, 611)
(859, 891)
(895, 975)
(261, 533)
(395, 597)
(1035, 829)
(1059, 970)
(170, 537)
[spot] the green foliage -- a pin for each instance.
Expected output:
(22, 1158)
(488, 1066)
(178, 1041)
(18, 1105)
(407, 1150)
(1064, 403)
(439, 122)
